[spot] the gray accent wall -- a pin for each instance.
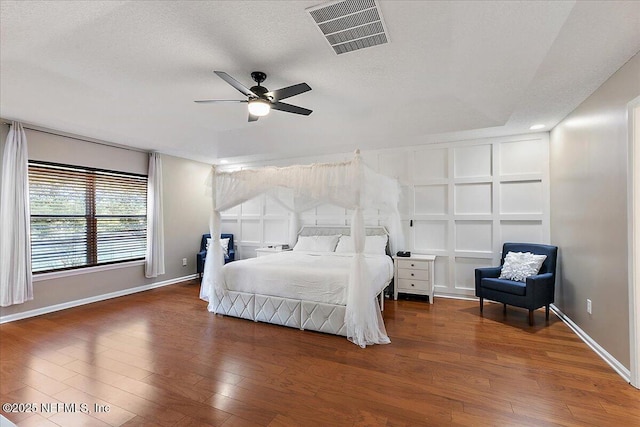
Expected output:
(186, 218)
(588, 175)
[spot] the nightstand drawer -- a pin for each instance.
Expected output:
(413, 264)
(413, 285)
(404, 273)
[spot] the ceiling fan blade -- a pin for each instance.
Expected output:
(253, 118)
(290, 108)
(289, 91)
(233, 82)
(204, 101)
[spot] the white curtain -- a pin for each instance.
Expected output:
(15, 243)
(154, 259)
(351, 185)
(362, 317)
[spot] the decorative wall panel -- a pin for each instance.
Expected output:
(233, 211)
(250, 231)
(331, 220)
(395, 164)
(442, 272)
(276, 231)
(407, 201)
(272, 207)
(523, 197)
(473, 199)
(430, 236)
(230, 226)
(431, 199)
(474, 236)
(330, 210)
(472, 161)
(253, 206)
(430, 165)
(521, 157)
(522, 231)
(465, 272)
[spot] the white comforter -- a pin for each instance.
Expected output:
(309, 276)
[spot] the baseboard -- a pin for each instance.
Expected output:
(604, 354)
(76, 303)
(454, 296)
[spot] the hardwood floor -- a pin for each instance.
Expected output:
(159, 358)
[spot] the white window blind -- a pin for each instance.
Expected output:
(84, 217)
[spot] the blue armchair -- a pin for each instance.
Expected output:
(537, 291)
(231, 255)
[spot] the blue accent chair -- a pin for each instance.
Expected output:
(203, 251)
(537, 291)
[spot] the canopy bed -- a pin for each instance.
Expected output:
(351, 185)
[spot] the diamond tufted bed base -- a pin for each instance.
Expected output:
(304, 315)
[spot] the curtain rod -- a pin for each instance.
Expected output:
(106, 144)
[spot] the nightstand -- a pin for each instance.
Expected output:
(270, 251)
(414, 275)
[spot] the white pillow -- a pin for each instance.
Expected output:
(372, 245)
(375, 245)
(225, 246)
(317, 243)
(224, 243)
(345, 245)
(520, 265)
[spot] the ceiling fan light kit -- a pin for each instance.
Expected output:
(259, 107)
(260, 100)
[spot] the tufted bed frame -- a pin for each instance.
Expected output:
(301, 314)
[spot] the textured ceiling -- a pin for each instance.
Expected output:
(128, 72)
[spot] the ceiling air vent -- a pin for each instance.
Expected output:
(350, 24)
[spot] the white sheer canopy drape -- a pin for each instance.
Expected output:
(351, 185)
(295, 205)
(15, 243)
(154, 258)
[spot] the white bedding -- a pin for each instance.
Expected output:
(319, 277)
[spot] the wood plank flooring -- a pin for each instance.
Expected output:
(159, 358)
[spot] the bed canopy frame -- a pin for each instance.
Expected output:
(352, 185)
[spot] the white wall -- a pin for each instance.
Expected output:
(465, 199)
(186, 218)
(588, 160)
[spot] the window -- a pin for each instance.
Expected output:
(83, 217)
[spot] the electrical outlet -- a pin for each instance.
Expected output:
(184, 262)
(588, 306)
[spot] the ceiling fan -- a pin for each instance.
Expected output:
(260, 99)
